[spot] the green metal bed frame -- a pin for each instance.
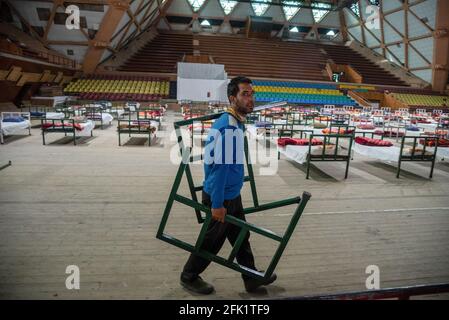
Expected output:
(67, 126)
(327, 140)
(134, 130)
(419, 157)
(414, 156)
(199, 208)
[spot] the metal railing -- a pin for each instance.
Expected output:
(400, 293)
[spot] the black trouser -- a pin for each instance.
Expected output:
(216, 234)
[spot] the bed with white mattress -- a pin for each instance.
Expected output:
(405, 152)
(21, 123)
(67, 126)
(47, 115)
(330, 149)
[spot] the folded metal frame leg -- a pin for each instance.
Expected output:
(6, 165)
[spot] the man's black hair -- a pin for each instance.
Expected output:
(233, 85)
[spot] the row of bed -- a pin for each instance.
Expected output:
(340, 134)
(81, 120)
(300, 134)
(336, 134)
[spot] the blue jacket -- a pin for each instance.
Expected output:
(223, 160)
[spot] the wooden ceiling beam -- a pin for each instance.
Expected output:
(116, 10)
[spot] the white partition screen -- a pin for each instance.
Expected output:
(202, 82)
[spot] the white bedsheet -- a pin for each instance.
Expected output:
(427, 126)
(442, 154)
(296, 153)
(256, 132)
(118, 112)
(54, 115)
(299, 153)
(411, 133)
(87, 126)
(107, 117)
(365, 130)
(10, 128)
(390, 154)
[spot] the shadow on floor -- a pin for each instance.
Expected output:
(141, 141)
(316, 173)
(387, 172)
(11, 139)
(80, 141)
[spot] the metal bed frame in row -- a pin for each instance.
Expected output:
(328, 139)
(66, 126)
(139, 126)
(413, 141)
(4, 115)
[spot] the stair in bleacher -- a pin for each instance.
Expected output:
(265, 58)
(160, 55)
(371, 73)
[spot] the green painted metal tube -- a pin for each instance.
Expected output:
(272, 205)
(208, 256)
(288, 233)
(171, 198)
(193, 192)
(202, 118)
(192, 204)
(6, 165)
(249, 226)
(199, 188)
(250, 172)
(196, 158)
(237, 244)
(203, 232)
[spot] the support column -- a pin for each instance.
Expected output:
(343, 27)
(441, 47)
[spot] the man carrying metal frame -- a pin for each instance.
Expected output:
(224, 177)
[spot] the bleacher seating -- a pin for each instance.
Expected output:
(160, 55)
(264, 58)
(301, 93)
(114, 87)
(419, 100)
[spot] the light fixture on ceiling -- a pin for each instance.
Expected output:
(205, 23)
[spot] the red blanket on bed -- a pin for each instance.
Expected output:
(366, 126)
(337, 131)
(388, 133)
(59, 125)
(372, 142)
(299, 142)
(431, 143)
(150, 114)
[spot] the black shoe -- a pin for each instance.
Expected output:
(252, 284)
(198, 286)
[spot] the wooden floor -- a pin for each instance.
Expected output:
(98, 206)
